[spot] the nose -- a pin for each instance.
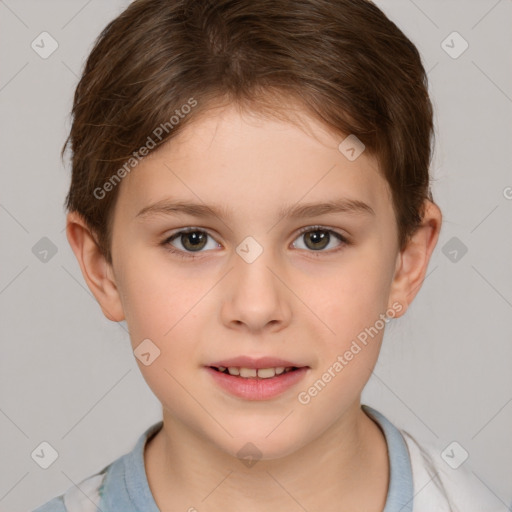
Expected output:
(254, 296)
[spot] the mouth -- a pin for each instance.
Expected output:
(256, 379)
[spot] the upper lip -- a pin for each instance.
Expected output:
(256, 363)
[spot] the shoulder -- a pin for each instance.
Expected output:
(82, 498)
(54, 505)
(109, 487)
(437, 486)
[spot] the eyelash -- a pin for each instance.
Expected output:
(184, 254)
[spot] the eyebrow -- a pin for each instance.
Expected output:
(341, 205)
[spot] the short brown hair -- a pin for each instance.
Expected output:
(344, 61)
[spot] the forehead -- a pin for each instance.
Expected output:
(243, 161)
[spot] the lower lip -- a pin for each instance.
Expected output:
(256, 388)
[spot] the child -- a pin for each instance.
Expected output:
(293, 140)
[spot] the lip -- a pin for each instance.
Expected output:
(255, 388)
(255, 363)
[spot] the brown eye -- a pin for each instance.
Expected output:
(194, 241)
(318, 238)
(190, 240)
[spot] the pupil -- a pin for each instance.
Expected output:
(315, 238)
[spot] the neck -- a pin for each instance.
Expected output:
(346, 465)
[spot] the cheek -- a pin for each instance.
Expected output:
(355, 295)
(157, 297)
(352, 303)
(159, 306)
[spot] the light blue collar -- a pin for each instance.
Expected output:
(400, 491)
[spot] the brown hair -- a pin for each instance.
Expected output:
(344, 61)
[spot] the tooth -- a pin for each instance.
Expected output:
(266, 373)
(247, 372)
(262, 373)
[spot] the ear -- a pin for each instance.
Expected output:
(97, 273)
(413, 260)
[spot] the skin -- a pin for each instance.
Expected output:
(294, 302)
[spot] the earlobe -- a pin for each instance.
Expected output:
(413, 260)
(97, 272)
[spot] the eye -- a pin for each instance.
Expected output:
(317, 238)
(191, 240)
(194, 240)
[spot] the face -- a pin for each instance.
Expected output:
(260, 277)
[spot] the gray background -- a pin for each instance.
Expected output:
(67, 374)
